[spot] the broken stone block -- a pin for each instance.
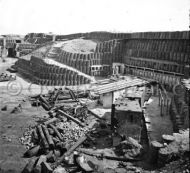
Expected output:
(168, 138)
(38, 167)
(129, 148)
(59, 169)
(29, 166)
(153, 152)
(46, 168)
(32, 151)
(82, 162)
(120, 170)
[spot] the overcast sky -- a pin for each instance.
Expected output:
(72, 16)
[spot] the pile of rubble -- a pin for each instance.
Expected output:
(53, 144)
(174, 147)
(6, 77)
(73, 139)
(50, 142)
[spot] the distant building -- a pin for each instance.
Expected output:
(8, 44)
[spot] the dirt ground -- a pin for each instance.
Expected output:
(159, 125)
(12, 125)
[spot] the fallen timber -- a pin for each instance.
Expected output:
(76, 145)
(48, 136)
(42, 136)
(56, 131)
(71, 118)
(103, 156)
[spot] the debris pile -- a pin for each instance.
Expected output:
(70, 140)
(177, 145)
(130, 148)
(53, 144)
(6, 77)
(60, 98)
(26, 139)
(52, 141)
(54, 147)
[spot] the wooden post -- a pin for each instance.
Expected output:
(153, 152)
(157, 89)
(112, 116)
(168, 105)
(152, 90)
(165, 100)
(161, 108)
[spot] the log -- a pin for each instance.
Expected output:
(56, 95)
(46, 168)
(32, 151)
(29, 166)
(44, 103)
(72, 94)
(42, 136)
(71, 118)
(48, 136)
(49, 155)
(77, 144)
(42, 99)
(91, 153)
(45, 106)
(50, 121)
(51, 131)
(66, 101)
(56, 132)
(38, 167)
(55, 140)
(35, 135)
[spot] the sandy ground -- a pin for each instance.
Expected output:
(80, 46)
(12, 125)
